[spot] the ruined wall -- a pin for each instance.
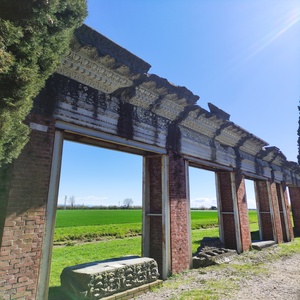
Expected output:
(25, 214)
(102, 92)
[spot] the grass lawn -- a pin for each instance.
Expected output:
(89, 217)
(88, 225)
(120, 231)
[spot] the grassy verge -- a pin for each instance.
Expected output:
(96, 232)
(224, 280)
(78, 254)
(119, 231)
(93, 225)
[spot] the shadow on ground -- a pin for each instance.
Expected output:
(255, 235)
(56, 293)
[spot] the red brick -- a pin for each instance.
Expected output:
(28, 180)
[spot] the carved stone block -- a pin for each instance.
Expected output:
(99, 279)
(212, 252)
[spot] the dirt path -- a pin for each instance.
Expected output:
(250, 276)
(281, 281)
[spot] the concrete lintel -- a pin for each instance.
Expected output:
(205, 163)
(108, 137)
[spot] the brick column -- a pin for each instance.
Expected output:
(276, 213)
(179, 223)
(156, 212)
(242, 210)
(24, 216)
(262, 192)
(295, 204)
(234, 222)
(152, 210)
(228, 230)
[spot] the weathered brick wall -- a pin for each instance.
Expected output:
(25, 214)
(178, 214)
(277, 220)
(227, 212)
(243, 210)
(155, 194)
(261, 188)
(295, 204)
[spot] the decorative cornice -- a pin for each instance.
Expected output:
(99, 63)
(79, 66)
(104, 46)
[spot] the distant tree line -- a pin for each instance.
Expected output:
(204, 208)
(112, 207)
(69, 203)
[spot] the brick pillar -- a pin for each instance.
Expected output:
(242, 210)
(263, 198)
(152, 223)
(233, 211)
(22, 226)
(276, 213)
(295, 204)
(156, 212)
(228, 230)
(287, 212)
(179, 223)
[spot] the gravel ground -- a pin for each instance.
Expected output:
(252, 275)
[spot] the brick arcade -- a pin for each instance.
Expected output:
(103, 95)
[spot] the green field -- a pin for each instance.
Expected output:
(120, 232)
(88, 225)
(88, 217)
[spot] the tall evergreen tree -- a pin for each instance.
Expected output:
(298, 157)
(34, 35)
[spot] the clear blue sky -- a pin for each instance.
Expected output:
(241, 55)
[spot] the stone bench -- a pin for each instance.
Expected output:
(99, 279)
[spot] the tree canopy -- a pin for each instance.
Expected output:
(127, 202)
(34, 35)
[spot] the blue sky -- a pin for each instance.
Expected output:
(241, 55)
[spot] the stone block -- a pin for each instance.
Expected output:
(99, 279)
(212, 252)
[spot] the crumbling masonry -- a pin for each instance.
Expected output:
(103, 95)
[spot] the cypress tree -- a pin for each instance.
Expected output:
(34, 35)
(298, 157)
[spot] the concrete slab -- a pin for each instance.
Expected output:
(259, 245)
